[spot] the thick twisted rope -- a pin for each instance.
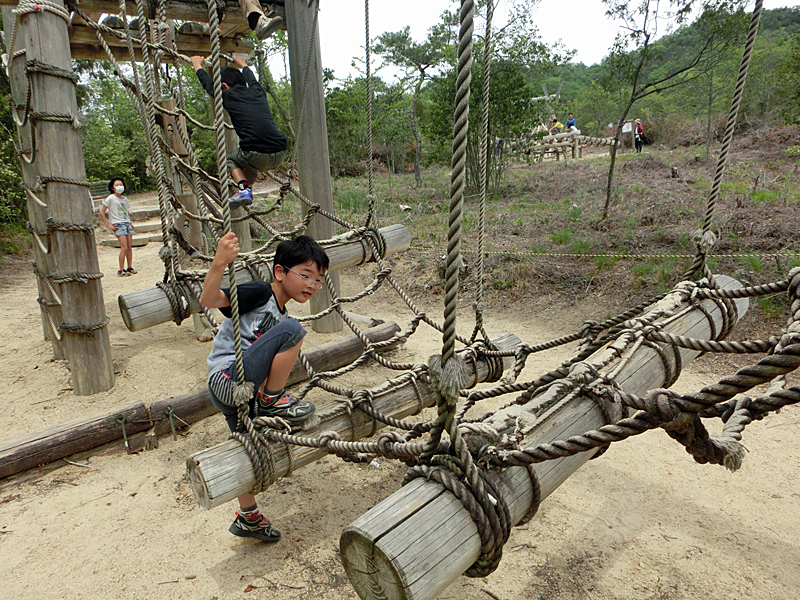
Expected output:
(706, 236)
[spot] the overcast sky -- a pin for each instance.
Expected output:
(580, 24)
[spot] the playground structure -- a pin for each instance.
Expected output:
(476, 477)
(567, 145)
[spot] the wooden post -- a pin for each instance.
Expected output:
(223, 472)
(145, 308)
(50, 303)
(59, 159)
(313, 161)
(419, 540)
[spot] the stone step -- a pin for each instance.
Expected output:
(137, 241)
(142, 213)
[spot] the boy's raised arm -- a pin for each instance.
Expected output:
(227, 250)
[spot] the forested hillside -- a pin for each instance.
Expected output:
(412, 125)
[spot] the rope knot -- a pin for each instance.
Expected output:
(450, 379)
(704, 240)
(387, 441)
(661, 404)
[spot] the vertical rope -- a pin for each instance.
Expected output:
(219, 132)
(484, 166)
(458, 163)
(370, 183)
(726, 140)
(156, 151)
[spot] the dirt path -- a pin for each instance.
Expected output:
(642, 522)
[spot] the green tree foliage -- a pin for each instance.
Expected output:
(114, 141)
(417, 60)
(346, 114)
(12, 198)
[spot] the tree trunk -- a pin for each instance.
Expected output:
(417, 139)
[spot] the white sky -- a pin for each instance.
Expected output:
(579, 24)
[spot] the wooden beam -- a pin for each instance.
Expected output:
(146, 308)
(83, 38)
(419, 540)
(223, 472)
(179, 10)
(313, 160)
(64, 440)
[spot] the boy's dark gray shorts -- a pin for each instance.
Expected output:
(253, 163)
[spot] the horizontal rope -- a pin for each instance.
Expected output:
(576, 254)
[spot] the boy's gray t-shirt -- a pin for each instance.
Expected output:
(258, 312)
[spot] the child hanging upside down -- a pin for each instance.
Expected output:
(271, 343)
(262, 146)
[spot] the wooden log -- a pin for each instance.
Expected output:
(146, 308)
(328, 357)
(83, 39)
(313, 160)
(65, 440)
(418, 541)
(59, 163)
(58, 442)
(223, 472)
(180, 10)
(50, 307)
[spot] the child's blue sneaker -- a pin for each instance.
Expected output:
(241, 198)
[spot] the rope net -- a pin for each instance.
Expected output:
(460, 453)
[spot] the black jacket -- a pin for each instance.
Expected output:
(250, 114)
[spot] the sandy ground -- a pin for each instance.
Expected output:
(642, 522)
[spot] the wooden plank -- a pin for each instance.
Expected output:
(145, 308)
(411, 566)
(214, 483)
(58, 442)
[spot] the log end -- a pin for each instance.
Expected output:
(197, 483)
(126, 315)
(369, 570)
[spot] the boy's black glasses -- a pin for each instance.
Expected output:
(314, 283)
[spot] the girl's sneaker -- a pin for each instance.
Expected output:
(122, 273)
(131, 271)
(261, 530)
(287, 407)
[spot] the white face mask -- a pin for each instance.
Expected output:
(119, 188)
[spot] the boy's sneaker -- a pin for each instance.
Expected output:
(241, 198)
(266, 27)
(287, 407)
(262, 530)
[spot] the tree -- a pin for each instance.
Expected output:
(629, 64)
(418, 60)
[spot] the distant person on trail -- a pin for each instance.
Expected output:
(118, 220)
(637, 136)
(571, 122)
(262, 146)
(556, 127)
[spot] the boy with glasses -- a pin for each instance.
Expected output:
(270, 341)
